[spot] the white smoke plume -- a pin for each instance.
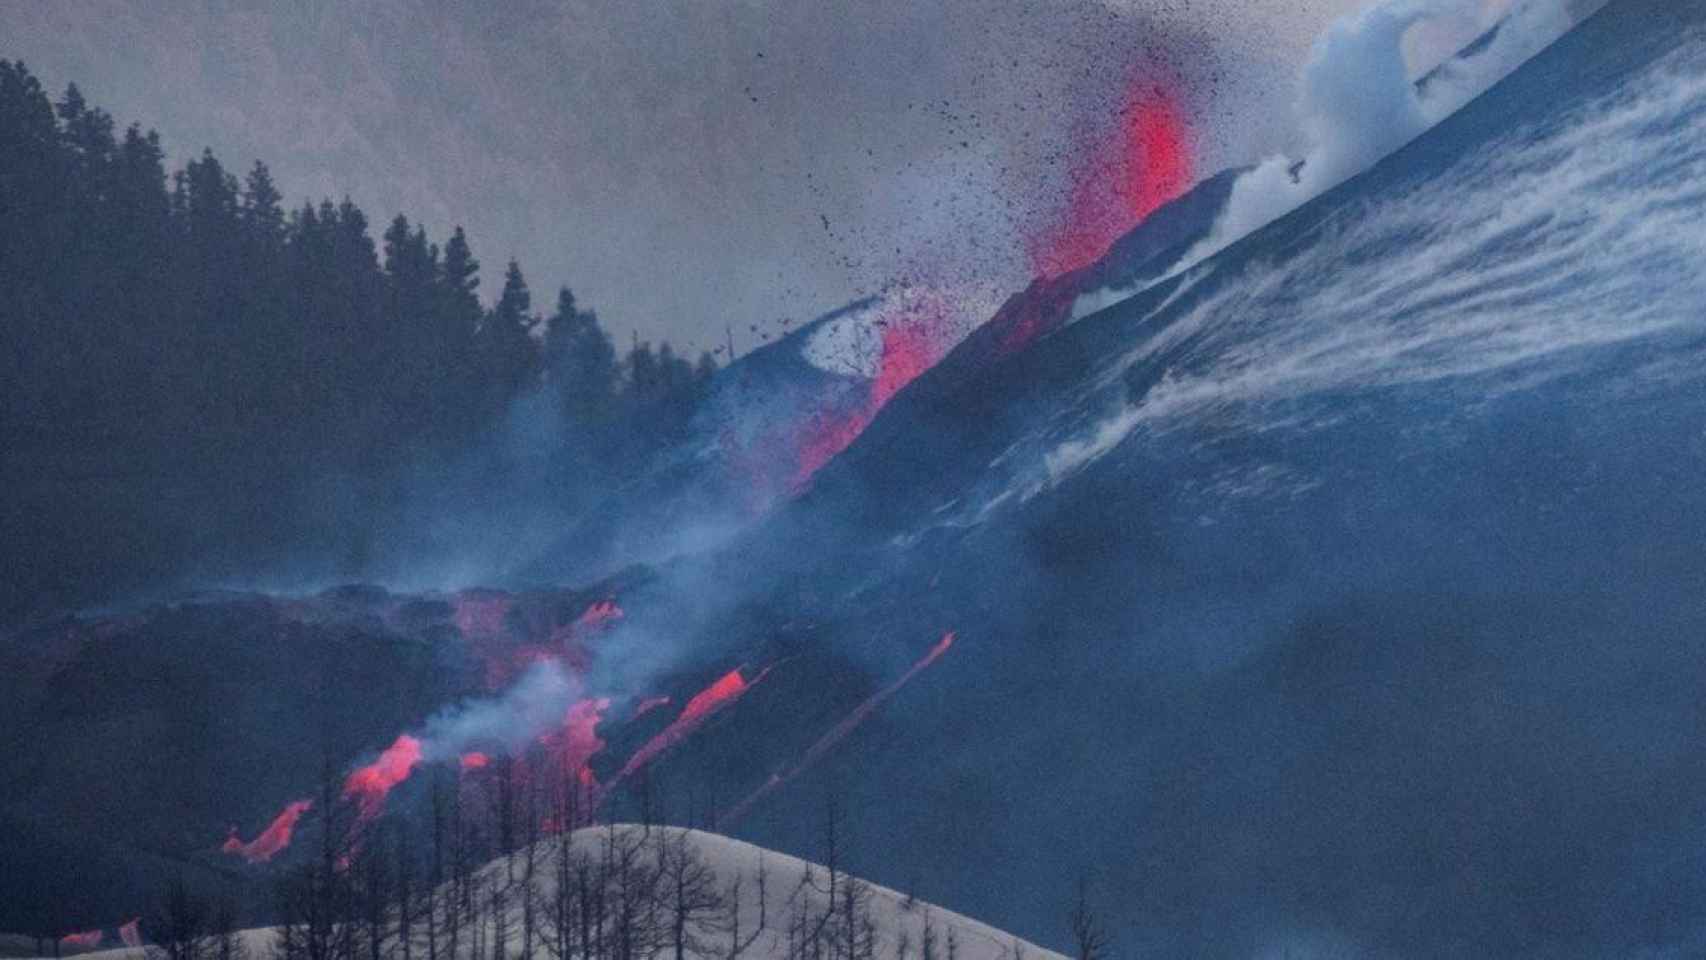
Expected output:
(535, 704)
(1357, 101)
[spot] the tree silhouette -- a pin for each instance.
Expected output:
(194, 339)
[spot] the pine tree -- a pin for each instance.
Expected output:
(581, 362)
(507, 348)
(262, 214)
(458, 325)
(411, 281)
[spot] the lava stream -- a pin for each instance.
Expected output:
(838, 732)
(914, 339)
(368, 786)
(87, 940)
(725, 691)
(577, 742)
(270, 841)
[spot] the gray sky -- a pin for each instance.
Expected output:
(683, 164)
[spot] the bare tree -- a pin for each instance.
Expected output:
(504, 768)
(180, 928)
(1089, 937)
(435, 865)
(310, 926)
(689, 889)
(403, 875)
(632, 916)
(369, 875)
(763, 892)
(459, 896)
(528, 891)
(562, 925)
(498, 899)
(647, 795)
(226, 940)
(316, 899)
(739, 943)
(859, 929)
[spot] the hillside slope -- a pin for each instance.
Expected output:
(752, 884)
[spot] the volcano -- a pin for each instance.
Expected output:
(1338, 593)
(1340, 589)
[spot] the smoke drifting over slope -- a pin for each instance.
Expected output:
(1178, 529)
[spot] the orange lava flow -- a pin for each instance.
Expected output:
(577, 742)
(368, 786)
(838, 732)
(718, 695)
(269, 842)
(914, 340)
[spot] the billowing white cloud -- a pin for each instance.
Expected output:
(1358, 99)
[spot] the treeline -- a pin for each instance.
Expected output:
(560, 887)
(163, 327)
(512, 864)
(515, 863)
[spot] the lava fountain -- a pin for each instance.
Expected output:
(1123, 174)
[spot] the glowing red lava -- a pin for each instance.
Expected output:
(568, 751)
(475, 760)
(1123, 175)
(730, 686)
(825, 436)
(577, 742)
(598, 616)
(725, 691)
(838, 732)
(915, 338)
(491, 634)
(273, 839)
(846, 726)
(87, 940)
(907, 352)
(369, 785)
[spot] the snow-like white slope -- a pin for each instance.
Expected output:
(895, 915)
(257, 945)
(789, 883)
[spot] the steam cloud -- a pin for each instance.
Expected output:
(1358, 103)
(534, 705)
